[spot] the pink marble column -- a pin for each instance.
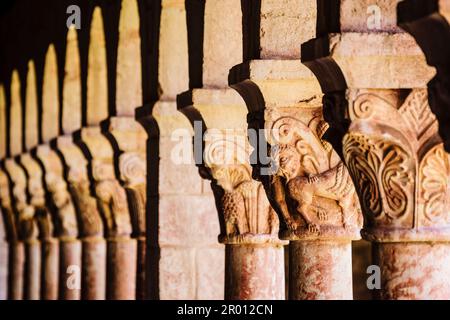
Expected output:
(50, 268)
(32, 270)
(70, 256)
(4, 252)
(93, 274)
(413, 271)
(122, 258)
(16, 270)
(254, 272)
(320, 270)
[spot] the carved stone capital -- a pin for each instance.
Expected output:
(57, 186)
(399, 166)
(244, 211)
(26, 223)
(111, 196)
(78, 183)
(7, 210)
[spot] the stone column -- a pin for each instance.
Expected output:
(26, 258)
(91, 230)
(184, 260)
(254, 261)
(15, 248)
(34, 246)
(93, 261)
(305, 180)
(112, 202)
(3, 258)
(128, 135)
(428, 23)
(67, 227)
(391, 146)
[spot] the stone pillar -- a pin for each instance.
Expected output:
(3, 258)
(128, 135)
(254, 262)
(112, 202)
(11, 236)
(91, 230)
(391, 146)
(93, 261)
(184, 260)
(422, 19)
(67, 225)
(27, 285)
(305, 180)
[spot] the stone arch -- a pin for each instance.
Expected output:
(2, 122)
(15, 116)
(97, 78)
(31, 109)
(129, 70)
(50, 101)
(71, 109)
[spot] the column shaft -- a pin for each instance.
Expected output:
(413, 271)
(70, 256)
(122, 258)
(50, 267)
(32, 274)
(93, 274)
(4, 252)
(16, 270)
(247, 276)
(320, 270)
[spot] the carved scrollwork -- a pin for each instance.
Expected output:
(381, 171)
(398, 165)
(132, 168)
(434, 187)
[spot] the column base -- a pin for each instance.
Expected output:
(320, 270)
(254, 272)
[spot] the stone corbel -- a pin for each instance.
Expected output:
(420, 19)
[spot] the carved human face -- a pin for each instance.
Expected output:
(288, 161)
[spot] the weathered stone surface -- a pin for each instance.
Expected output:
(414, 271)
(32, 270)
(320, 270)
(16, 275)
(70, 258)
(50, 270)
(4, 258)
(210, 269)
(93, 276)
(121, 275)
(247, 278)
